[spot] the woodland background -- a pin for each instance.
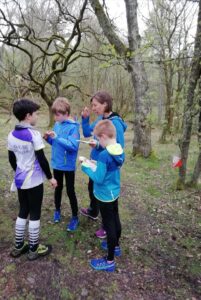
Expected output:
(51, 48)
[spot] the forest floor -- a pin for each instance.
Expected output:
(161, 237)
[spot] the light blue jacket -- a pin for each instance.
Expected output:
(106, 178)
(65, 145)
(88, 128)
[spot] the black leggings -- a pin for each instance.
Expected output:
(70, 182)
(111, 222)
(94, 203)
(30, 202)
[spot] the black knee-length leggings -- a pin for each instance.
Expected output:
(70, 182)
(30, 202)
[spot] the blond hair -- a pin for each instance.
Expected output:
(61, 105)
(105, 127)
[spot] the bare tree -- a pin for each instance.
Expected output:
(168, 32)
(49, 42)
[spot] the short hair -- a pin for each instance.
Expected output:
(103, 97)
(22, 107)
(61, 105)
(105, 127)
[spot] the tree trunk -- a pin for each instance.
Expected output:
(51, 117)
(197, 168)
(49, 102)
(142, 128)
(188, 110)
(132, 58)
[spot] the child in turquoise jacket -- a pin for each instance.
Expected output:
(106, 190)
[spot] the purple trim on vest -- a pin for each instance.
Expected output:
(23, 135)
(37, 172)
(20, 177)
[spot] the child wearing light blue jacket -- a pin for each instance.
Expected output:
(64, 141)
(106, 190)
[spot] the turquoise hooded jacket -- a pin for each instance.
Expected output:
(106, 178)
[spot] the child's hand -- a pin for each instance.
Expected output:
(93, 143)
(53, 182)
(85, 112)
(52, 134)
(82, 159)
(45, 136)
(49, 133)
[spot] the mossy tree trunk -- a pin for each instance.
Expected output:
(189, 110)
(197, 168)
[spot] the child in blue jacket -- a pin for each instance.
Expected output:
(63, 140)
(106, 190)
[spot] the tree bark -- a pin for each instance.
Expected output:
(197, 168)
(142, 128)
(132, 58)
(51, 117)
(188, 110)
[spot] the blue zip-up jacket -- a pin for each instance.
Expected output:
(65, 145)
(88, 128)
(106, 178)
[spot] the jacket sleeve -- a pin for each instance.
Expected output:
(86, 127)
(12, 160)
(70, 143)
(49, 140)
(97, 176)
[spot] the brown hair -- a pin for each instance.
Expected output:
(105, 127)
(61, 105)
(103, 97)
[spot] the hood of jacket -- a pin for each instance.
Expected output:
(116, 117)
(117, 153)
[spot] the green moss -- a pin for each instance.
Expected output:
(195, 268)
(65, 294)
(10, 268)
(153, 191)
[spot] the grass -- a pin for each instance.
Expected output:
(160, 238)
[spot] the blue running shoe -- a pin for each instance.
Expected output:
(72, 226)
(117, 250)
(101, 264)
(57, 216)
